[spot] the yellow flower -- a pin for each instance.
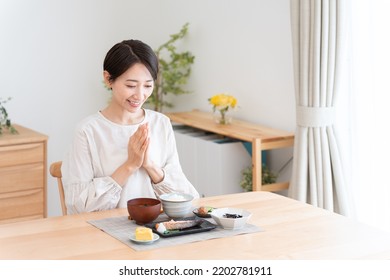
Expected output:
(222, 102)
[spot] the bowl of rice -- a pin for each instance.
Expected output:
(176, 205)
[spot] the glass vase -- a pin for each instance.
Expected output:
(222, 117)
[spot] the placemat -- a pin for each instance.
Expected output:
(121, 227)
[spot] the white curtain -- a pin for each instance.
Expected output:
(318, 40)
(369, 101)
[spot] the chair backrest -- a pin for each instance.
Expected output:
(55, 171)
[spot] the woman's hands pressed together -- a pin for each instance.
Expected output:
(137, 157)
(138, 146)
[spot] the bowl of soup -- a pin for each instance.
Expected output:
(144, 210)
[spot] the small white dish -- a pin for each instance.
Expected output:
(155, 238)
(219, 216)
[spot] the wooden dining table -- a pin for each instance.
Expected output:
(289, 230)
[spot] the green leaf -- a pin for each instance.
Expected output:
(5, 122)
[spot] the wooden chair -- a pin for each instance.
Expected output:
(55, 171)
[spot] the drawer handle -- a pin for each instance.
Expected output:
(20, 194)
(23, 167)
(20, 147)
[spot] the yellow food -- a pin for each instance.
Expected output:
(143, 234)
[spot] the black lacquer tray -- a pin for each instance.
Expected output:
(203, 226)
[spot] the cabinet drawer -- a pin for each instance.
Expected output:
(21, 154)
(22, 204)
(21, 177)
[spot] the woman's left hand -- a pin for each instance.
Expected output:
(147, 161)
(155, 172)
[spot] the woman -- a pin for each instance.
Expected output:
(123, 151)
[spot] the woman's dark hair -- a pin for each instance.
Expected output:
(127, 53)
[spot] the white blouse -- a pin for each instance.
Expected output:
(100, 147)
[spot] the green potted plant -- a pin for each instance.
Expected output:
(5, 122)
(268, 177)
(175, 69)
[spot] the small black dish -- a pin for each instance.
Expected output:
(196, 212)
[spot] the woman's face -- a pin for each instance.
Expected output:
(132, 88)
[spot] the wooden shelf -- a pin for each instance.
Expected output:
(22, 175)
(261, 137)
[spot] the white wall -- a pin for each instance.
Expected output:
(51, 55)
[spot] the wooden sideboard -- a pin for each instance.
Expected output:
(23, 167)
(261, 137)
